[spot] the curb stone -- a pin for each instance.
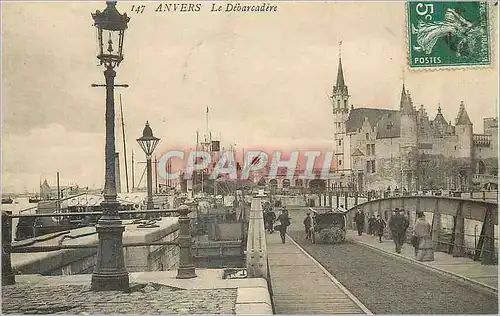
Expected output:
(253, 300)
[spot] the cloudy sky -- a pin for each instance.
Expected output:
(264, 76)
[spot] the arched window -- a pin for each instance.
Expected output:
(345, 104)
(338, 104)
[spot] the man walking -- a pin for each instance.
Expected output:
(270, 218)
(284, 223)
(307, 225)
(379, 227)
(398, 226)
(359, 219)
(371, 225)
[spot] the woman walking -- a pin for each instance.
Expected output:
(422, 234)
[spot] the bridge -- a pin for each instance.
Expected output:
(363, 276)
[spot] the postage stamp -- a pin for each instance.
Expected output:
(448, 34)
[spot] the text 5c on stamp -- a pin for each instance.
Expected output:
(448, 34)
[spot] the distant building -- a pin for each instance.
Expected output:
(380, 148)
(47, 192)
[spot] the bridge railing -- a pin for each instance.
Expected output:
(184, 239)
(256, 252)
(452, 240)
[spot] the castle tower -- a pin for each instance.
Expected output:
(340, 103)
(463, 129)
(408, 141)
(464, 132)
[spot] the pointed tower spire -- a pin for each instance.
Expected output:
(340, 71)
(403, 94)
(462, 117)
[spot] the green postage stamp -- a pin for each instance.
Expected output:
(448, 34)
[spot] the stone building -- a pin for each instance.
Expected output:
(404, 148)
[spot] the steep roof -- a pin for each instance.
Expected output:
(357, 117)
(439, 119)
(389, 126)
(462, 117)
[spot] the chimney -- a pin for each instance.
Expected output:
(117, 173)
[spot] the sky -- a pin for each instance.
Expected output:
(264, 76)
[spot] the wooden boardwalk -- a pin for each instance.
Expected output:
(301, 286)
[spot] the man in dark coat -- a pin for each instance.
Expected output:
(359, 219)
(371, 223)
(284, 223)
(307, 225)
(270, 218)
(398, 225)
(379, 227)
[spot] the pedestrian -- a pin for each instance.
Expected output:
(371, 223)
(284, 223)
(307, 225)
(270, 219)
(359, 219)
(398, 226)
(422, 232)
(379, 227)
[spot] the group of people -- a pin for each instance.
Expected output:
(270, 219)
(376, 226)
(421, 238)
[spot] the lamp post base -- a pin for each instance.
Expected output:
(186, 272)
(110, 273)
(110, 282)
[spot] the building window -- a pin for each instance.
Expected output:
(373, 149)
(340, 142)
(370, 166)
(368, 149)
(338, 104)
(345, 104)
(340, 162)
(367, 136)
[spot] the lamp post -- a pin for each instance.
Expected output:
(109, 272)
(148, 143)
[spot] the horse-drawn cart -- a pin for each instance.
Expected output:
(328, 226)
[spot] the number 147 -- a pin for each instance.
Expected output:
(138, 9)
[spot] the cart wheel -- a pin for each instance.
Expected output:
(313, 237)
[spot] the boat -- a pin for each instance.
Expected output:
(7, 201)
(34, 199)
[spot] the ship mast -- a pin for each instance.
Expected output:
(124, 146)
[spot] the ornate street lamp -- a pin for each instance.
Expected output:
(110, 273)
(148, 143)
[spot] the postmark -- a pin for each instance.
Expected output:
(448, 34)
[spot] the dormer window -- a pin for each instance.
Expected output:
(389, 126)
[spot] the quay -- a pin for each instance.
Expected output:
(360, 276)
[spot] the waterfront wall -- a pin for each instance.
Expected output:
(82, 261)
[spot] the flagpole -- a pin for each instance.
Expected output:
(207, 120)
(196, 151)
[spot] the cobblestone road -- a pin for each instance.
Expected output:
(389, 286)
(146, 299)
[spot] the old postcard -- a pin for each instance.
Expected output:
(249, 157)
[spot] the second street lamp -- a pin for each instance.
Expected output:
(148, 143)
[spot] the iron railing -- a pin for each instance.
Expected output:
(185, 268)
